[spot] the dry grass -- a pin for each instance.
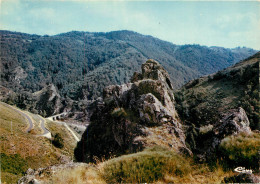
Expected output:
(200, 174)
(160, 136)
(35, 151)
(7, 116)
(155, 165)
(149, 165)
(159, 165)
(241, 150)
(78, 175)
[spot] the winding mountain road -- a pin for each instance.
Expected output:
(29, 120)
(46, 132)
(31, 125)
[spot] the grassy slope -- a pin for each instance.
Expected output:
(20, 151)
(241, 150)
(153, 165)
(157, 165)
(203, 100)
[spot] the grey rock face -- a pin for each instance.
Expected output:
(152, 70)
(49, 100)
(134, 116)
(232, 123)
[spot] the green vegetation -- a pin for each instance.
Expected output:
(147, 166)
(21, 150)
(58, 141)
(154, 165)
(202, 101)
(14, 164)
(241, 150)
(81, 64)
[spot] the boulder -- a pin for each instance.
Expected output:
(38, 176)
(134, 116)
(231, 123)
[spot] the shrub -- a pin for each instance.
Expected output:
(149, 165)
(241, 150)
(58, 141)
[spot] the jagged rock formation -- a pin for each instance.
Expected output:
(133, 116)
(232, 123)
(48, 99)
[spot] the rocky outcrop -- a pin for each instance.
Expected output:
(133, 116)
(48, 100)
(39, 176)
(45, 102)
(232, 123)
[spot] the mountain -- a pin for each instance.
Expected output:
(81, 64)
(208, 109)
(228, 95)
(140, 132)
(201, 101)
(208, 124)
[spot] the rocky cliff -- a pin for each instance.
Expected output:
(45, 102)
(133, 116)
(49, 100)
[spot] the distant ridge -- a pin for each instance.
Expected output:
(81, 64)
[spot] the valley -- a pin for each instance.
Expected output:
(129, 92)
(139, 133)
(71, 69)
(92, 108)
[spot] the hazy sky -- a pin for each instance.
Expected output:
(228, 24)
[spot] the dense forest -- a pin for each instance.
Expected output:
(81, 64)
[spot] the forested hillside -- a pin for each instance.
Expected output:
(81, 64)
(205, 103)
